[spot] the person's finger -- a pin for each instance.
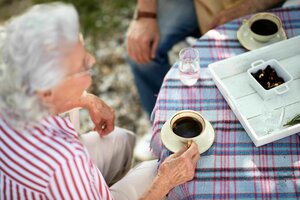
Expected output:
(106, 131)
(196, 158)
(110, 125)
(99, 131)
(154, 46)
(129, 43)
(138, 52)
(99, 127)
(102, 127)
(132, 44)
(145, 51)
(132, 50)
(191, 151)
(180, 152)
(129, 48)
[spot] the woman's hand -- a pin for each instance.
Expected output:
(101, 114)
(179, 167)
(175, 170)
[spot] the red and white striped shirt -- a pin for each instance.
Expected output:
(47, 161)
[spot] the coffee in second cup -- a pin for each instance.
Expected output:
(264, 26)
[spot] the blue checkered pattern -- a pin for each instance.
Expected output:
(233, 168)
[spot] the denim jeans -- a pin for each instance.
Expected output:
(177, 20)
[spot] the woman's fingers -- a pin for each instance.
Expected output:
(191, 151)
(180, 152)
(196, 158)
(180, 167)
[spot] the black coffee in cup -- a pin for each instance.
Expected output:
(264, 27)
(187, 127)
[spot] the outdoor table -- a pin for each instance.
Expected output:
(233, 168)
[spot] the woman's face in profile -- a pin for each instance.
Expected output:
(77, 63)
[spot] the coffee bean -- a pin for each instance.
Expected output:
(268, 77)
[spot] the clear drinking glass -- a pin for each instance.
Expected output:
(272, 112)
(189, 67)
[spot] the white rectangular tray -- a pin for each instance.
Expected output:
(230, 77)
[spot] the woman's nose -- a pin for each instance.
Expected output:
(92, 60)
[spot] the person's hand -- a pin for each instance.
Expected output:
(226, 16)
(180, 166)
(241, 9)
(101, 114)
(142, 39)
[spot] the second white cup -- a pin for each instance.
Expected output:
(264, 26)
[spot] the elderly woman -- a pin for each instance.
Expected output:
(44, 71)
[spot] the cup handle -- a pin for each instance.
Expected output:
(284, 90)
(258, 62)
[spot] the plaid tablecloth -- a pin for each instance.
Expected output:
(233, 168)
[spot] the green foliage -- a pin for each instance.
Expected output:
(294, 121)
(101, 18)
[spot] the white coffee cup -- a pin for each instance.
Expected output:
(195, 127)
(264, 26)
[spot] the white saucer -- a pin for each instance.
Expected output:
(247, 41)
(173, 144)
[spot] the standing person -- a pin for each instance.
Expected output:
(156, 27)
(159, 24)
(44, 71)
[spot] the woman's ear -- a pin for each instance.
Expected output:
(45, 96)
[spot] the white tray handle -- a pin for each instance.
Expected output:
(232, 103)
(282, 91)
(258, 62)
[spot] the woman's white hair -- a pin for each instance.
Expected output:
(31, 49)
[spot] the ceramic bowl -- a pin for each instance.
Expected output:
(281, 72)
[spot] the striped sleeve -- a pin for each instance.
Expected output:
(77, 178)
